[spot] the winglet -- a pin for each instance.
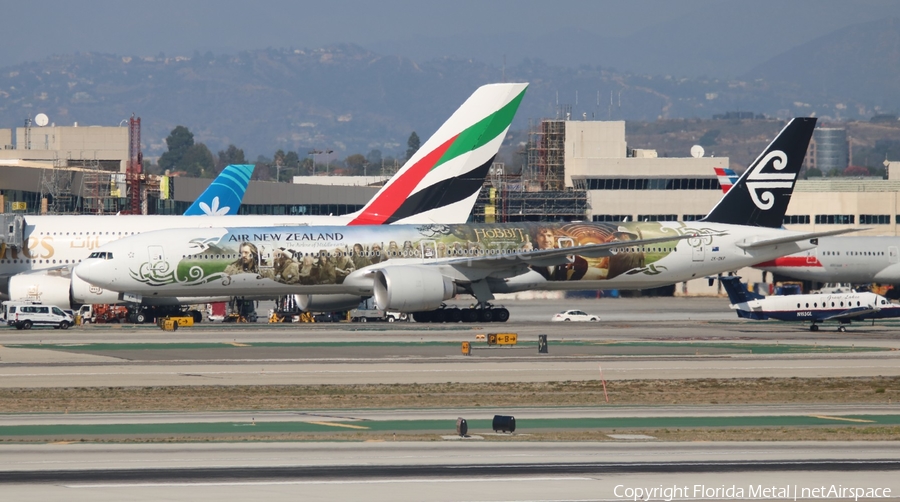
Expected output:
(225, 193)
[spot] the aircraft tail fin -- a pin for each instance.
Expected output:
(762, 194)
(440, 182)
(727, 178)
(225, 193)
(737, 290)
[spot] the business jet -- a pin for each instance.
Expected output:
(415, 268)
(814, 308)
(438, 185)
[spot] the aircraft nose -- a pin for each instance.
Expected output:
(96, 271)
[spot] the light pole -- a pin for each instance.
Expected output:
(315, 152)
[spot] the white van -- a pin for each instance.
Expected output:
(24, 315)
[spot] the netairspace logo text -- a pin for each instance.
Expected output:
(759, 492)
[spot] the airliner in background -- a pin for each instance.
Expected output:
(438, 185)
(415, 268)
(858, 260)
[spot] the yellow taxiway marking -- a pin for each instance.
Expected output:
(337, 424)
(823, 417)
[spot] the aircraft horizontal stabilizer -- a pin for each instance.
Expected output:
(795, 238)
(556, 256)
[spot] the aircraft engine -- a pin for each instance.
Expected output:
(411, 289)
(84, 292)
(46, 288)
(327, 303)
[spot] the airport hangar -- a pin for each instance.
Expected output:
(575, 170)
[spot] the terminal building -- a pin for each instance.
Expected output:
(575, 170)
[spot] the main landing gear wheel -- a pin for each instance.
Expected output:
(422, 316)
(140, 318)
(501, 315)
(453, 315)
(486, 315)
(841, 329)
(814, 328)
(438, 316)
(469, 315)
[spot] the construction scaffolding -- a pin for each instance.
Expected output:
(546, 150)
(56, 190)
(99, 191)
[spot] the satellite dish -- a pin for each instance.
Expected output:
(41, 119)
(697, 151)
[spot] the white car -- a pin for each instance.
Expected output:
(574, 315)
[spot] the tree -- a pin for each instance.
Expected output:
(374, 158)
(813, 173)
(178, 141)
(355, 164)
(198, 161)
(412, 145)
(857, 171)
(231, 155)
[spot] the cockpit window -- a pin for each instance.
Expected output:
(95, 254)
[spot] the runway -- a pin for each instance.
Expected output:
(638, 339)
(436, 471)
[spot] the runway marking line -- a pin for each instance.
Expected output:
(336, 424)
(844, 419)
(238, 344)
(341, 482)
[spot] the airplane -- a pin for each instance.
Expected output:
(437, 261)
(858, 260)
(813, 308)
(727, 178)
(438, 185)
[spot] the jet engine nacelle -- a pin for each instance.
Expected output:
(47, 289)
(84, 292)
(327, 303)
(411, 289)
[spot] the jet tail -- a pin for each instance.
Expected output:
(737, 290)
(762, 194)
(225, 193)
(441, 181)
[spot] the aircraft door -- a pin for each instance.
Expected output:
(893, 256)
(157, 258)
(811, 257)
(699, 252)
(428, 250)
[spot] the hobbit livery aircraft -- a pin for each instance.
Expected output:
(415, 268)
(438, 185)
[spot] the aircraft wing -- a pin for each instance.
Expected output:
(795, 238)
(549, 257)
(852, 313)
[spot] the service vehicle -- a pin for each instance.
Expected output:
(25, 315)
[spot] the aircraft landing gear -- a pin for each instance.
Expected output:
(477, 313)
(814, 328)
(841, 329)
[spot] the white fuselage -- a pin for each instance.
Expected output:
(179, 263)
(843, 259)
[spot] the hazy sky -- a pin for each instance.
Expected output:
(732, 33)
